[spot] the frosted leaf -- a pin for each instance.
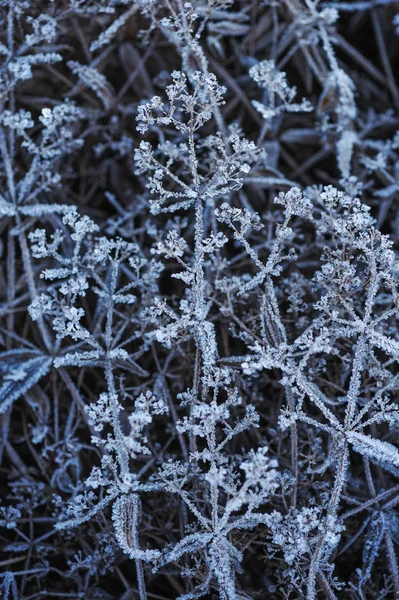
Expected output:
(94, 80)
(374, 448)
(21, 370)
(372, 544)
(106, 36)
(77, 359)
(125, 517)
(189, 544)
(345, 150)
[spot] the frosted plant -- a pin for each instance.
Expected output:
(349, 224)
(178, 166)
(56, 141)
(234, 498)
(275, 83)
(73, 278)
(199, 299)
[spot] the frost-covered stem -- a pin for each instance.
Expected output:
(393, 565)
(199, 258)
(27, 262)
(384, 56)
(358, 360)
(169, 173)
(281, 333)
(340, 479)
(241, 324)
(122, 454)
(26, 258)
(10, 27)
(171, 405)
(198, 271)
(215, 108)
(212, 445)
(267, 123)
(121, 451)
(184, 496)
(203, 65)
(8, 167)
(10, 41)
(10, 281)
(326, 587)
(139, 566)
(214, 503)
(354, 386)
(251, 253)
(75, 394)
(199, 229)
(339, 482)
(328, 49)
(324, 36)
(294, 447)
(140, 577)
(196, 379)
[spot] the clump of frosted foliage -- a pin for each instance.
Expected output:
(199, 300)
